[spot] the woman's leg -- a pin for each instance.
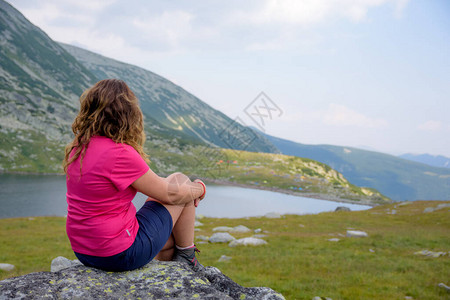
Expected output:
(183, 217)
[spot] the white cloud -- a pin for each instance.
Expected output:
(336, 115)
(339, 115)
(430, 125)
(308, 12)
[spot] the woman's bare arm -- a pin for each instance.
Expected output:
(176, 189)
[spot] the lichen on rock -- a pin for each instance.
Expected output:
(156, 280)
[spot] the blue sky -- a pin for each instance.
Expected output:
(373, 74)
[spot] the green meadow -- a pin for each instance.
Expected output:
(299, 261)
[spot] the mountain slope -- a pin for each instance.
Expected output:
(431, 160)
(39, 81)
(174, 107)
(394, 177)
(40, 84)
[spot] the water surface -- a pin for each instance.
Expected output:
(39, 195)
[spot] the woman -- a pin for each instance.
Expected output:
(105, 167)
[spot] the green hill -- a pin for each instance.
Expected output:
(397, 178)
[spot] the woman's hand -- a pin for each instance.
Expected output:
(197, 200)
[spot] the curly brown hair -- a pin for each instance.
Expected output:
(109, 108)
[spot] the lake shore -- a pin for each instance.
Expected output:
(318, 196)
(290, 192)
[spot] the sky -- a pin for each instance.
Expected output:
(371, 74)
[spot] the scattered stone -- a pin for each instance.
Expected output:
(31, 219)
(224, 258)
(202, 238)
(248, 241)
(371, 250)
(408, 298)
(199, 217)
(430, 253)
(342, 208)
(356, 233)
(240, 229)
(221, 237)
(405, 203)
(334, 240)
(156, 280)
(321, 298)
(223, 228)
(273, 215)
(198, 223)
(61, 263)
(197, 229)
(440, 206)
(7, 267)
(444, 286)
(301, 225)
(257, 230)
(428, 209)
(443, 205)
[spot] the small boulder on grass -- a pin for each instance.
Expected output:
(221, 237)
(248, 241)
(6, 267)
(356, 233)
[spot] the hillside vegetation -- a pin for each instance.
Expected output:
(299, 260)
(397, 178)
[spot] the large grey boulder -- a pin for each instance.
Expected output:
(156, 280)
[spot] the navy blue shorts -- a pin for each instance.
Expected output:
(155, 228)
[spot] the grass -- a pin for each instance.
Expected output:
(298, 260)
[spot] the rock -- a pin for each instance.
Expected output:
(405, 203)
(240, 229)
(428, 209)
(356, 233)
(6, 267)
(199, 217)
(272, 215)
(444, 286)
(223, 228)
(224, 258)
(248, 241)
(257, 230)
(342, 208)
(221, 237)
(371, 250)
(443, 205)
(321, 298)
(334, 240)
(198, 223)
(61, 262)
(430, 253)
(202, 238)
(156, 280)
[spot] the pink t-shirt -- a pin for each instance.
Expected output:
(101, 219)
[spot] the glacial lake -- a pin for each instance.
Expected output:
(39, 195)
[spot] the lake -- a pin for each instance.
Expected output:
(45, 195)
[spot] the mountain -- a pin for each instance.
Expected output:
(174, 107)
(397, 178)
(40, 84)
(431, 160)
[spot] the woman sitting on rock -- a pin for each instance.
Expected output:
(105, 167)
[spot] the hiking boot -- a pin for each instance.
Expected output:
(188, 256)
